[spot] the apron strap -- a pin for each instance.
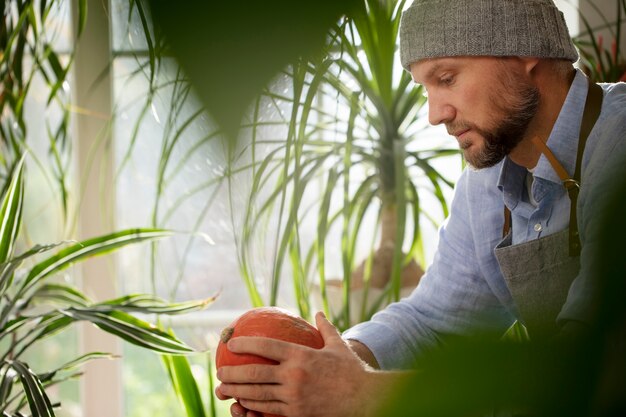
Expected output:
(593, 105)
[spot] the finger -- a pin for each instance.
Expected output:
(246, 374)
(237, 410)
(251, 413)
(220, 395)
(257, 392)
(266, 347)
(329, 333)
(265, 407)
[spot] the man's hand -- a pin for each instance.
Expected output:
(307, 382)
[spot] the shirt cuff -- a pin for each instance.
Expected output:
(382, 342)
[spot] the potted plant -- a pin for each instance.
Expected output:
(34, 307)
(603, 61)
(36, 304)
(354, 132)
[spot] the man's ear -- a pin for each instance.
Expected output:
(529, 64)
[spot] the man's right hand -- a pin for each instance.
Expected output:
(362, 351)
(328, 382)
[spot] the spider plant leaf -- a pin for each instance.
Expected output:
(49, 378)
(8, 268)
(11, 212)
(49, 325)
(88, 248)
(150, 304)
(38, 401)
(131, 329)
(185, 385)
(7, 381)
(64, 295)
(13, 325)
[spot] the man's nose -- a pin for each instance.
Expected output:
(439, 110)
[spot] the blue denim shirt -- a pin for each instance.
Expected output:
(463, 290)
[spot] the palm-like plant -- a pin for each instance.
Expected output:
(354, 130)
(34, 307)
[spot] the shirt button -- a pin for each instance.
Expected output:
(538, 227)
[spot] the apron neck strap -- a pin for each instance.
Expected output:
(593, 105)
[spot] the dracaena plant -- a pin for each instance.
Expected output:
(354, 130)
(33, 306)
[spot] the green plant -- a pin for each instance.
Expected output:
(602, 62)
(29, 55)
(186, 387)
(353, 138)
(33, 306)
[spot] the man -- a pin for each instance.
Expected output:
(519, 240)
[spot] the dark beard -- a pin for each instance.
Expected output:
(511, 130)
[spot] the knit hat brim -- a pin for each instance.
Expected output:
(445, 28)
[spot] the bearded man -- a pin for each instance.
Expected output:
(518, 245)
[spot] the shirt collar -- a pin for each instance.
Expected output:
(563, 142)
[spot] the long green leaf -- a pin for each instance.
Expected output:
(89, 248)
(64, 295)
(185, 385)
(7, 380)
(48, 325)
(11, 212)
(37, 398)
(49, 378)
(131, 329)
(150, 304)
(322, 230)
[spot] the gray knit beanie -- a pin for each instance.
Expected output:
(442, 28)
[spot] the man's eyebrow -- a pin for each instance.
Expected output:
(431, 72)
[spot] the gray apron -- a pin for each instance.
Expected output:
(539, 273)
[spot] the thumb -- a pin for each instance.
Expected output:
(329, 333)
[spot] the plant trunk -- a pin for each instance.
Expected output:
(382, 262)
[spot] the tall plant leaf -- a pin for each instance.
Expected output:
(11, 212)
(89, 248)
(185, 385)
(38, 400)
(131, 329)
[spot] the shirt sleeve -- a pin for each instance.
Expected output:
(453, 297)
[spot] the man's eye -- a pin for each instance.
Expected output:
(447, 80)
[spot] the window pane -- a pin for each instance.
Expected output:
(171, 175)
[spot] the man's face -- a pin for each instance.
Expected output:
(487, 103)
